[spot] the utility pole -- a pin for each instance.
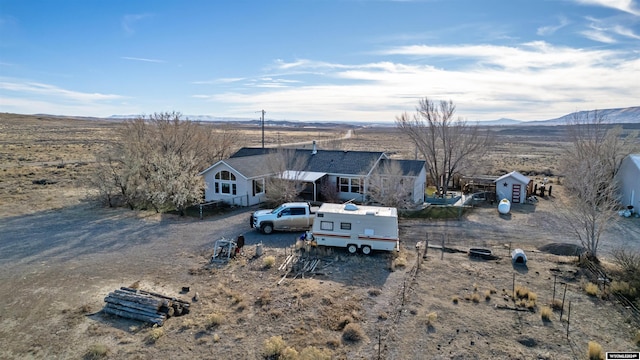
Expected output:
(262, 122)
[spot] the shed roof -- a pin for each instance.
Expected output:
(516, 175)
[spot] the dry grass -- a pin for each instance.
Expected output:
(591, 289)
(155, 334)
(595, 351)
(313, 353)
(214, 320)
(636, 338)
(545, 313)
(269, 261)
(96, 351)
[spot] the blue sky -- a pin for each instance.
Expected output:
(356, 60)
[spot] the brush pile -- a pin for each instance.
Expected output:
(144, 305)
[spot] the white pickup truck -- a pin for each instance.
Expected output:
(287, 217)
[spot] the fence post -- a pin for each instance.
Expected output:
(426, 245)
(554, 288)
(563, 296)
(513, 288)
(568, 318)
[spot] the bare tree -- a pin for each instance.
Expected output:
(286, 183)
(591, 163)
(448, 145)
(157, 160)
(389, 186)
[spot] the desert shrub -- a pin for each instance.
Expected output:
(289, 353)
(623, 288)
(264, 298)
(344, 321)
(155, 334)
(629, 262)
(475, 287)
(522, 292)
(216, 337)
(595, 351)
(276, 313)
(487, 295)
(96, 351)
(374, 292)
(352, 333)
(273, 347)
(545, 313)
(455, 299)
(269, 261)
(591, 289)
(214, 320)
(636, 339)
(431, 318)
(532, 296)
(556, 304)
(313, 353)
(400, 261)
(383, 316)
(475, 297)
(531, 304)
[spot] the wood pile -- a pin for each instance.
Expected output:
(144, 305)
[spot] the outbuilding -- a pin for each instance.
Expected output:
(514, 187)
(628, 176)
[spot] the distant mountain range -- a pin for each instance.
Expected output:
(629, 115)
(618, 116)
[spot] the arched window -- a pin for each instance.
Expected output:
(225, 183)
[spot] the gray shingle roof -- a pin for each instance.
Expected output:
(327, 161)
(408, 167)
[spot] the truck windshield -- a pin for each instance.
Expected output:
(277, 210)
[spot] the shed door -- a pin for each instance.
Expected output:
(515, 193)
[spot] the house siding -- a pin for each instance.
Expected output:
(244, 187)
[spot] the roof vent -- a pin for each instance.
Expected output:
(314, 150)
(350, 207)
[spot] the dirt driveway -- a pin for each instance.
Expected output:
(57, 266)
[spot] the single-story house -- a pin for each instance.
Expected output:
(514, 187)
(242, 179)
(629, 178)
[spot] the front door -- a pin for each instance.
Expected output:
(515, 193)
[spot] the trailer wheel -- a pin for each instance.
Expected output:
(351, 248)
(266, 228)
(366, 250)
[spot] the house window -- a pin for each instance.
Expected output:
(351, 185)
(225, 183)
(258, 187)
(326, 225)
(345, 226)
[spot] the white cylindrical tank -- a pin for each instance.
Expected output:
(504, 206)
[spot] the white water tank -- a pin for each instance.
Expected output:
(504, 206)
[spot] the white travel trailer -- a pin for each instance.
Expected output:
(357, 227)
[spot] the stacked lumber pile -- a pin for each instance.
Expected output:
(144, 305)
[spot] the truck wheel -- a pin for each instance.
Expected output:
(366, 250)
(352, 249)
(267, 228)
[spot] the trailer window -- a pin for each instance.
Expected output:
(345, 226)
(326, 225)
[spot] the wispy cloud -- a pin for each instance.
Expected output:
(218, 81)
(628, 6)
(142, 59)
(129, 22)
(551, 29)
(54, 91)
(534, 80)
(621, 30)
